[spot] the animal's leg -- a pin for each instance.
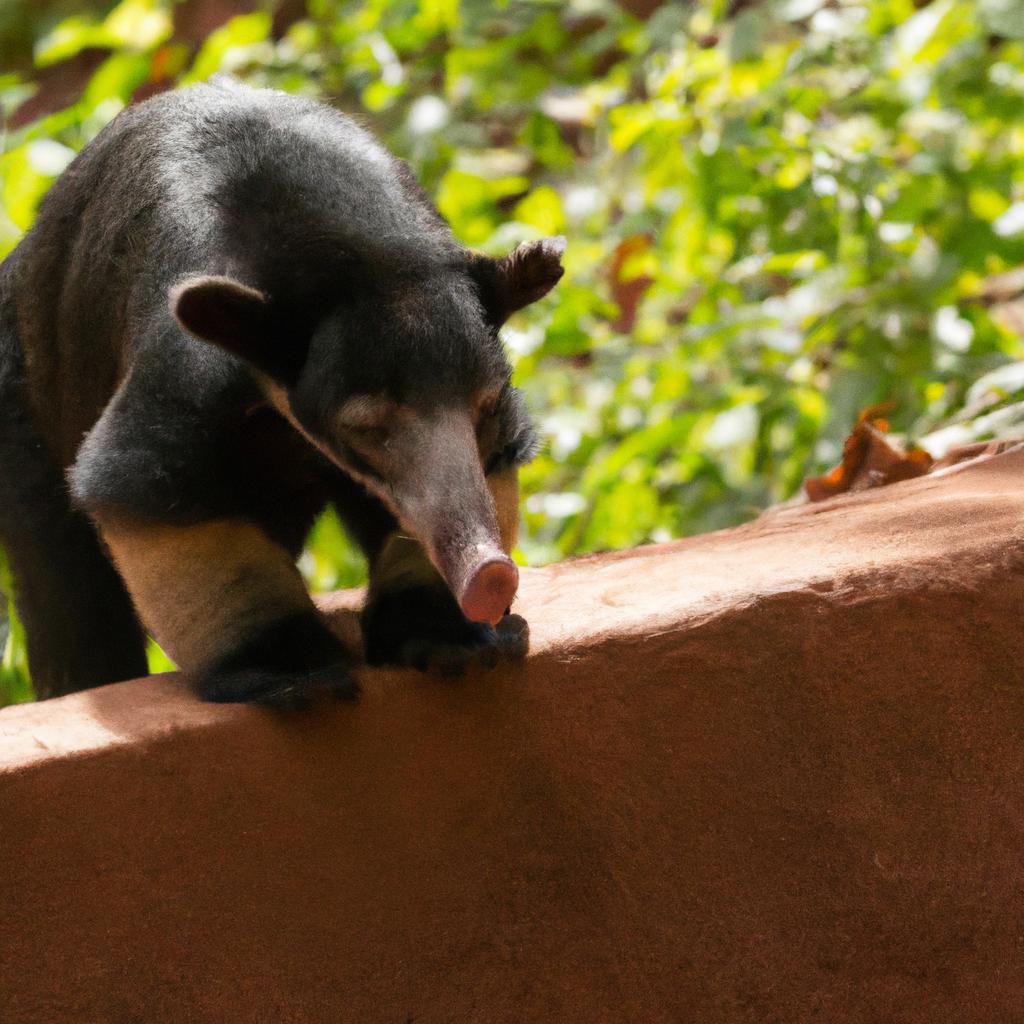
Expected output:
(79, 622)
(230, 607)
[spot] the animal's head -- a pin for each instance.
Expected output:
(404, 384)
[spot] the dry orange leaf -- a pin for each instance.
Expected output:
(870, 459)
(628, 292)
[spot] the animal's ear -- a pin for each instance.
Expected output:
(238, 318)
(527, 274)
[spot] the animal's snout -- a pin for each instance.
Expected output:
(489, 589)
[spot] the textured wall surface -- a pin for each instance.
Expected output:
(770, 774)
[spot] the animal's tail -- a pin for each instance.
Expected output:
(80, 626)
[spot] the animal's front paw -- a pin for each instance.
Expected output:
(282, 666)
(424, 628)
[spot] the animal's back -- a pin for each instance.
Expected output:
(217, 178)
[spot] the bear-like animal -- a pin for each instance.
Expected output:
(234, 308)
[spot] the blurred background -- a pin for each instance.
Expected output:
(779, 212)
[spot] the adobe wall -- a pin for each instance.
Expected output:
(770, 774)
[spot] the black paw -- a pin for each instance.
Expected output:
(424, 628)
(283, 666)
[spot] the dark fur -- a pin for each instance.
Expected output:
(81, 628)
(280, 665)
(422, 627)
(368, 292)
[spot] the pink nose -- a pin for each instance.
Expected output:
(490, 590)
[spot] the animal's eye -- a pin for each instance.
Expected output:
(367, 446)
(365, 418)
(365, 434)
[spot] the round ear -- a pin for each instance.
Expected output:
(235, 317)
(218, 309)
(527, 274)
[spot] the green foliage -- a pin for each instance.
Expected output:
(775, 218)
(14, 681)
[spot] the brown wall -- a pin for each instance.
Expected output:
(772, 774)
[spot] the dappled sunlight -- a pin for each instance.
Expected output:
(777, 215)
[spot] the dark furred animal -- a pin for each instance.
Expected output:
(235, 308)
